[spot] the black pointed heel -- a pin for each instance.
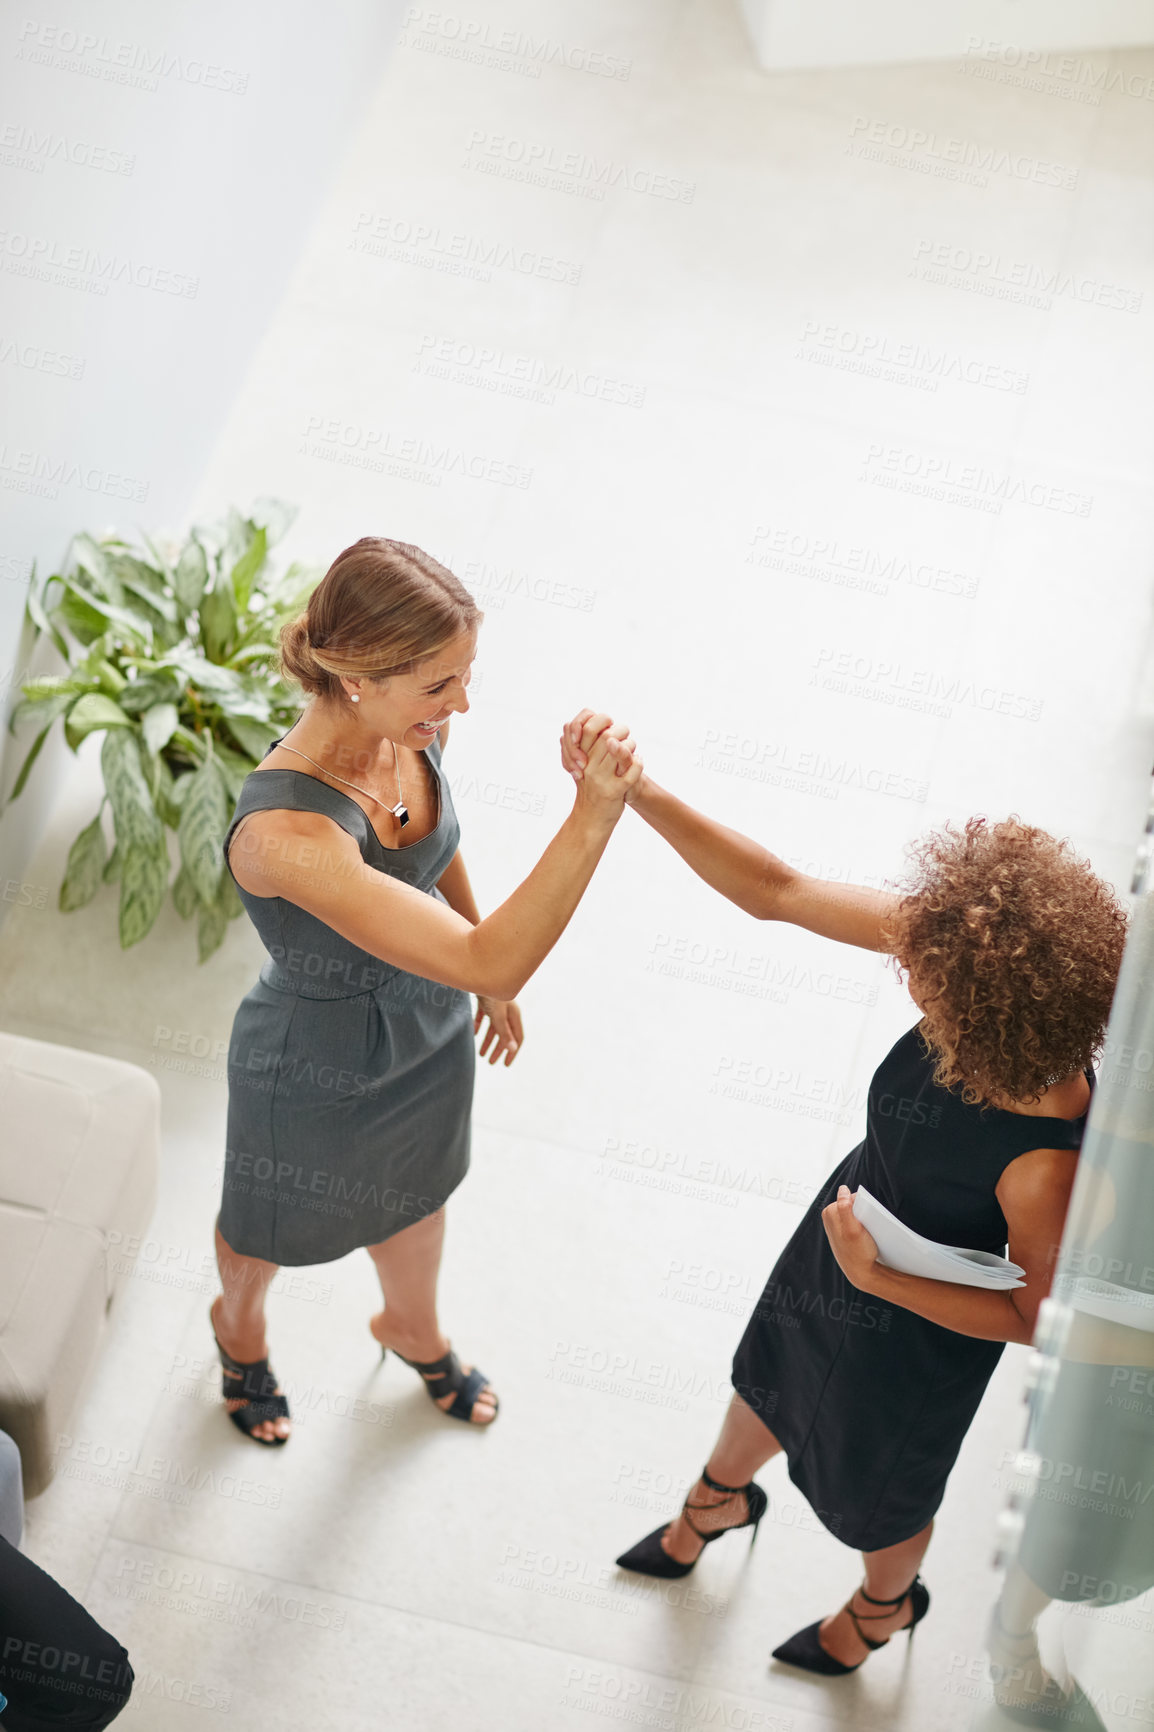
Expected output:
(805, 1651)
(649, 1557)
(252, 1382)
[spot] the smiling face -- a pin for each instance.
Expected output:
(410, 708)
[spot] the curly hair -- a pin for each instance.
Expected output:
(1013, 946)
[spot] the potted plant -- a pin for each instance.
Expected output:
(171, 653)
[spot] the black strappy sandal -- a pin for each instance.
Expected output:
(649, 1557)
(254, 1384)
(805, 1649)
(446, 1376)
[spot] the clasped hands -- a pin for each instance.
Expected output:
(602, 755)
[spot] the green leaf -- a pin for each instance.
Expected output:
(34, 607)
(18, 785)
(89, 714)
(218, 622)
(141, 694)
(84, 873)
(159, 723)
(148, 578)
(293, 588)
(85, 604)
(35, 610)
(185, 661)
(184, 895)
(211, 925)
(191, 576)
(44, 709)
(276, 515)
(237, 533)
(111, 679)
(241, 576)
(212, 922)
(180, 787)
(78, 616)
(160, 561)
(112, 866)
(135, 818)
(159, 605)
(234, 768)
(203, 821)
(91, 558)
(253, 737)
(143, 884)
(169, 812)
(264, 652)
(230, 896)
(238, 693)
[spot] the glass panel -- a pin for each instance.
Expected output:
(1071, 1640)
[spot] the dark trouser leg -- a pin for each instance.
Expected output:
(58, 1667)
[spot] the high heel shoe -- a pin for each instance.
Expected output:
(447, 1376)
(649, 1557)
(253, 1383)
(805, 1650)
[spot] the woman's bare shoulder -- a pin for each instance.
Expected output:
(275, 842)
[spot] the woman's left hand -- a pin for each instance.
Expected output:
(855, 1249)
(577, 741)
(504, 1033)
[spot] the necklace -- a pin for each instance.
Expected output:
(400, 811)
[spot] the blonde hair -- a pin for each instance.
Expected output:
(381, 607)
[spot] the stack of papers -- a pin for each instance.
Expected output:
(899, 1247)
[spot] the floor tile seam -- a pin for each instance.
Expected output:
(146, 1426)
(385, 1605)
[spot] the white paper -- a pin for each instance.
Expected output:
(899, 1247)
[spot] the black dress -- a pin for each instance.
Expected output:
(869, 1401)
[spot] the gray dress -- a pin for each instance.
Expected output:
(350, 1082)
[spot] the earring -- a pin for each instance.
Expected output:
(356, 697)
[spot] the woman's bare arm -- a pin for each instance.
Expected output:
(458, 892)
(759, 882)
(1034, 1192)
(312, 862)
(454, 882)
(740, 869)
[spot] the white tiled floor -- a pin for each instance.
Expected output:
(390, 1569)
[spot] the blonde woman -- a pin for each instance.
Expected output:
(351, 1060)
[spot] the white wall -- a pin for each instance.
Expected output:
(791, 34)
(158, 172)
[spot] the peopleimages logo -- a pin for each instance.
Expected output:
(81, 267)
(24, 147)
(955, 158)
(130, 63)
(567, 170)
(1023, 281)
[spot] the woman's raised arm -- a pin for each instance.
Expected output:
(743, 870)
(312, 862)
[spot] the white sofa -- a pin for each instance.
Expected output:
(79, 1148)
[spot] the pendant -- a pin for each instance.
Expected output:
(400, 813)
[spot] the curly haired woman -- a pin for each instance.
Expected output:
(869, 1377)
